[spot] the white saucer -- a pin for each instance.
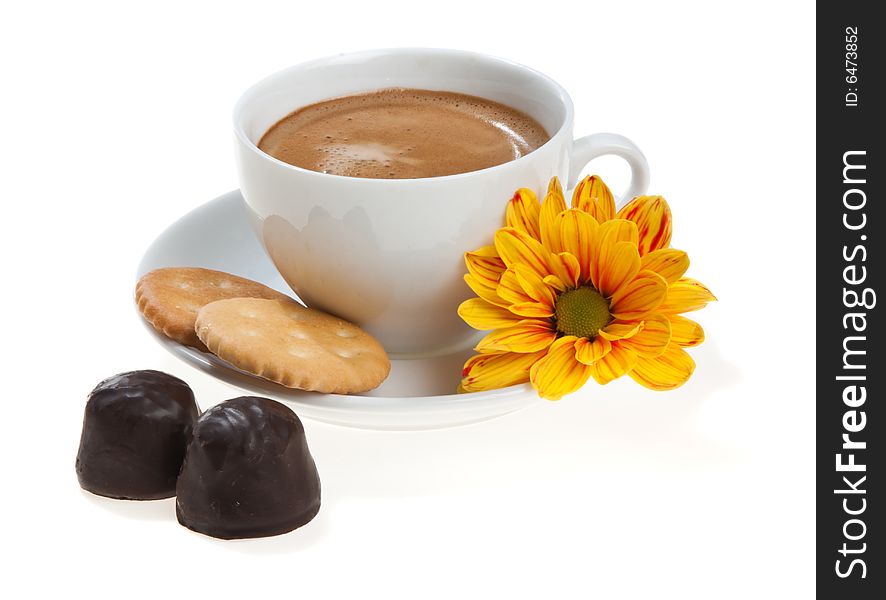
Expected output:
(418, 394)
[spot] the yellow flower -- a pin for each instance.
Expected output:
(574, 293)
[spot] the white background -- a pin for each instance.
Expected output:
(116, 122)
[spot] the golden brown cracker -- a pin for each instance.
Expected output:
(170, 298)
(292, 345)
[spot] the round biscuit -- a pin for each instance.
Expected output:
(298, 347)
(170, 298)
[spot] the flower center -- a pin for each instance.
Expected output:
(581, 312)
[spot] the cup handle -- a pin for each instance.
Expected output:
(585, 149)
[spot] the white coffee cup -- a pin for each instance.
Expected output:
(387, 254)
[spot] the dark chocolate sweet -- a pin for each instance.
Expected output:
(135, 430)
(247, 472)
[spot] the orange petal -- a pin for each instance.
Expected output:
(535, 310)
(670, 370)
(558, 373)
(686, 333)
(653, 218)
(485, 264)
(482, 315)
(609, 234)
(553, 205)
(510, 290)
(667, 262)
(498, 370)
(617, 265)
(590, 351)
(619, 330)
(530, 335)
(517, 247)
(594, 197)
(522, 212)
(616, 363)
(568, 271)
(555, 282)
(686, 295)
(639, 297)
(578, 236)
(487, 251)
(618, 230)
(534, 286)
(483, 289)
(652, 339)
(512, 296)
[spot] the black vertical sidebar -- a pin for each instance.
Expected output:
(850, 271)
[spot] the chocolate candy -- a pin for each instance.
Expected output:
(135, 430)
(247, 472)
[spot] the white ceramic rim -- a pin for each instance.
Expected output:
(564, 130)
(250, 383)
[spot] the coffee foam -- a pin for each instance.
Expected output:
(402, 134)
